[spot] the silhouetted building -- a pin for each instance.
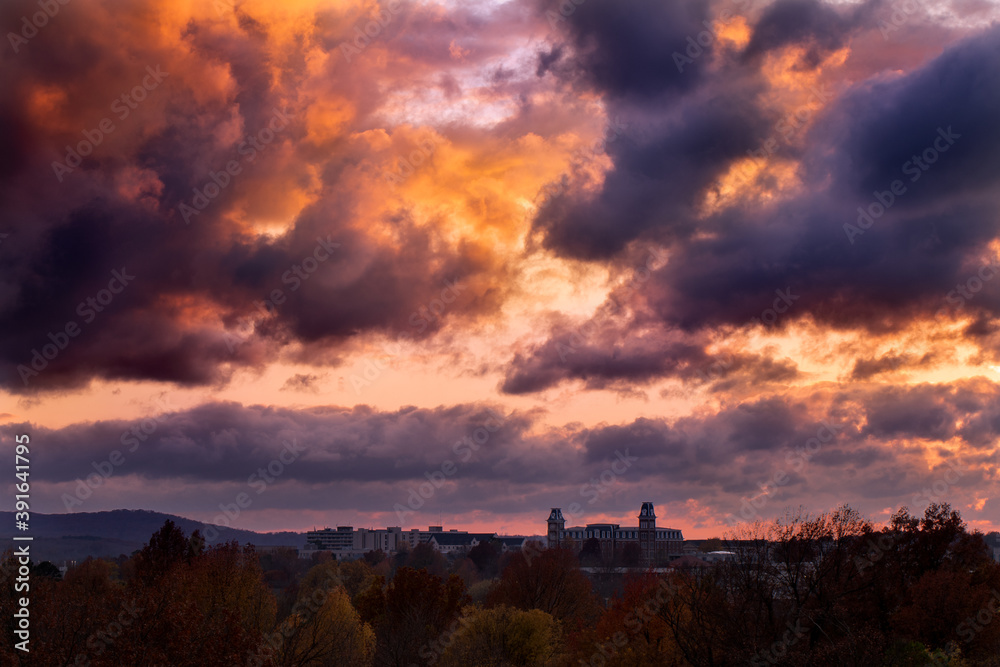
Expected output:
(350, 542)
(655, 544)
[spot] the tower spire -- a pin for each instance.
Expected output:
(557, 524)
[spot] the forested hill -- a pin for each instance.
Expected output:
(75, 536)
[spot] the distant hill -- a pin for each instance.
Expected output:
(60, 537)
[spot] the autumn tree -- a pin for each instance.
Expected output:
(425, 557)
(591, 555)
(631, 555)
(77, 613)
(701, 619)
(186, 595)
(630, 632)
(355, 576)
(466, 570)
(323, 630)
(416, 607)
(47, 569)
(486, 557)
(711, 544)
(831, 589)
(167, 547)
(502, 636)
(550, 581)
(373, 558)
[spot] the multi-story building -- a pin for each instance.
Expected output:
(328, 539)
(345, 539)
(655, 544)
(349, 542)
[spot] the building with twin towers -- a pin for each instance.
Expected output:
(656, 545)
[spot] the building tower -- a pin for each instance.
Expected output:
(647, 533)
(556, 525)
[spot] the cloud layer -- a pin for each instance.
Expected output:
(715, 228)
(882, 447)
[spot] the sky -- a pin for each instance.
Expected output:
(310, 263)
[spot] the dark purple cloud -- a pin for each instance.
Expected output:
(830, 444)
(930, 131)
(818, 27)
(192, 314)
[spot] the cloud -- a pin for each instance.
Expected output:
(905, 263)
(847, 271)
(218, 190)
(625, 49)
(303, 382)
(624, 354)
(816, 26)
(871, 444)
(274, 188)
(869, 367)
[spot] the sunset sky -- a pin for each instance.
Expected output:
(723, 244)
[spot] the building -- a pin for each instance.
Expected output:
(718, 556)
(456, 542)
(347, 539)
(655, 544)
(331, 540)
(348, 542)
(512, 543)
